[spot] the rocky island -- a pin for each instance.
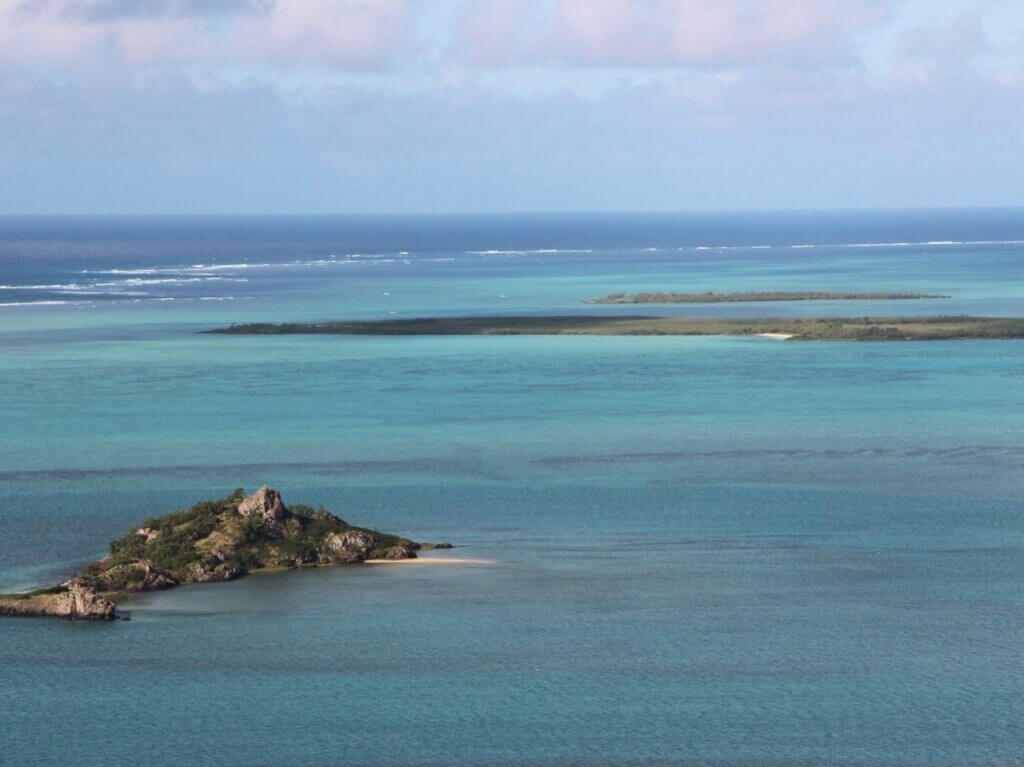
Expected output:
(217, 540)
(935, 328)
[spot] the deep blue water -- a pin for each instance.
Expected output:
(726, 551)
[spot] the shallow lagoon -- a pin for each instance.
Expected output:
(708, 550)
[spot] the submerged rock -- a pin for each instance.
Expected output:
(433, 546)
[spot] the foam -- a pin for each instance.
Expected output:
(875, 245)
(56, 286)
(524, 252)
(136, 281)
(218, 267)
(90, 292)
(124, 271)
(900, 244)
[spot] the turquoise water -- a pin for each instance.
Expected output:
(706, 550)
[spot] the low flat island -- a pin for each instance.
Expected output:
(803, 329)
(214, 541)
(754, 296)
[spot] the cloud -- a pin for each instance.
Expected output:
(309, 105)
(344, 34)
(354, 35)
(941, 51)
(715, 34)
(112, 10)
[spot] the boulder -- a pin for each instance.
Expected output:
(211, 570)
(82, 603)
(401, 551)
(349, 546)
(78, 602)
(265, 504)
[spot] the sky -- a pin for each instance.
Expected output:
(434, 106)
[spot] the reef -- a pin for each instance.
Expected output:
(755, 296)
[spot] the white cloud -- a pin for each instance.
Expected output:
(284, 34)
(687, 33)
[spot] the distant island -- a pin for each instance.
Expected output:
(218, 540)
(803, 329)
(753, 296)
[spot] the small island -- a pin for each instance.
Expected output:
(218, 540)
(753, 296)
(798, 329)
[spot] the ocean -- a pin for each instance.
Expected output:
(706, 550)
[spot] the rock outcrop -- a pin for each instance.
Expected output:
(74, 602)
(401, 551)
(265, 504)
(350, 546)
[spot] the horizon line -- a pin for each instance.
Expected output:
(511, 213)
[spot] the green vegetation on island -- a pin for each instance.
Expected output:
(804, 329)
(213, 541)
(754, 296)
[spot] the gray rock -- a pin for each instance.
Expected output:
(266, 504)
(212, 570)
(76, 603)
(401, 551)
(349, 546)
